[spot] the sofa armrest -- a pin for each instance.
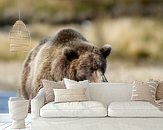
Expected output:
(36, 103)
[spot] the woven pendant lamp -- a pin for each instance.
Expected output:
(19, 37)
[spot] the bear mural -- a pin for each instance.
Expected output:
(67, 54)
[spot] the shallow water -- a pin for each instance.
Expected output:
(4, 96)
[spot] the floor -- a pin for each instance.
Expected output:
(6, 122)
(7, 126)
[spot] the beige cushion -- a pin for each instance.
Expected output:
(144, 91)
(74, 109)
(48, 88)
(71, 84)
(159, 93)
(70, 95)
(133, 109)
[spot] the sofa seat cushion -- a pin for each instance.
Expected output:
(133, 109)
(74, 109)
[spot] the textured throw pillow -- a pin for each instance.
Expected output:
(70, 95)
(144, 91)
(159, 93)
(48, 88)
(71, 84)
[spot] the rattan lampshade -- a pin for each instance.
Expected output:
(19, 37)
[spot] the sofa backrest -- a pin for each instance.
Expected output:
(109, 92)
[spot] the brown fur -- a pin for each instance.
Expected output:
(66, 54)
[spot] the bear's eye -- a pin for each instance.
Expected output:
(85, 67)
(93, 69)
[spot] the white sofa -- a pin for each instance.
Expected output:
(121, 113)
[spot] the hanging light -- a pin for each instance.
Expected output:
(19, 37)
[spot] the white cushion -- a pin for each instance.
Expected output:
(133, 109)
(74, 109)
(72, 84)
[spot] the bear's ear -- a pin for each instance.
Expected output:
(70, 54)
(106, 50)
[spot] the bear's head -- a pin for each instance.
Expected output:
(89, 65)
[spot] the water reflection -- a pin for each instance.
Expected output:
(4, 96)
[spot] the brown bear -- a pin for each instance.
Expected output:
(67, 54)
